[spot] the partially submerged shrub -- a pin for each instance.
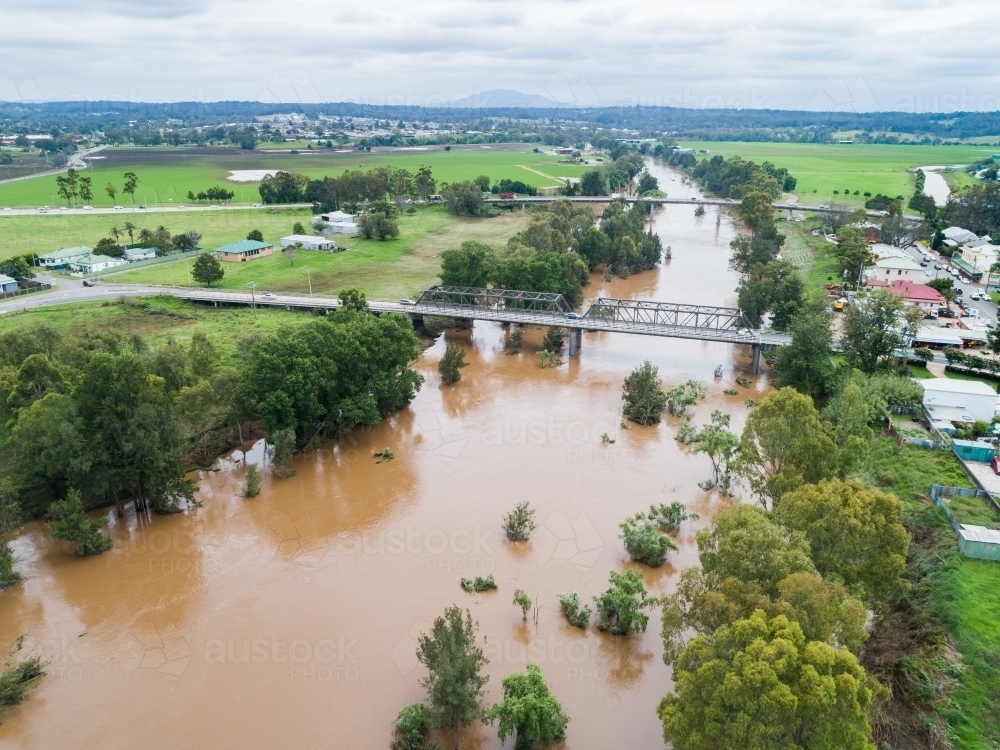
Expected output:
(579, 617)
(683, 396)
(669, 517)
(643, 397)
(644, 543)
(479, 584)
(412, 726)
(70, 523)
(520, 522)
(620, 608)
(252, 483)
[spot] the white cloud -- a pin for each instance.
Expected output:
(852, 54)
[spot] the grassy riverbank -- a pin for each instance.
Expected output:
(822, 168)
(939, 648)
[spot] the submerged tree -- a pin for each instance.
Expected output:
(529, 711)
(454, 662)
(669, 517)
(643, 397)
(252, 483)
(11, 516)
(411, 728)
(451, 364)
(644, 542)
(70, 523)
(282, 451)
(578, 617)
(620, 608)
(520, 522)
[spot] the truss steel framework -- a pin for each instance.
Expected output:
(450, 297)
(668, 314)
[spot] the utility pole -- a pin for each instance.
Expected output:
(187, 265)
(253, 299)
(309, 276)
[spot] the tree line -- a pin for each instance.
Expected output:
(349, 189)
(557, 250)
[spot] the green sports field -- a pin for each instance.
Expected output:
(167, 174)
(823, 168)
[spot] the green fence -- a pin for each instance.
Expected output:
(972, 548)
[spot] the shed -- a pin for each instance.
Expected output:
(972, 397)
(7, 284)
(308, 242)
(970, 450)
(979, 542)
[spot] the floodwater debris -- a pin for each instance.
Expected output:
(383, 455)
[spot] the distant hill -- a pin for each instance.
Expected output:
(502, 98)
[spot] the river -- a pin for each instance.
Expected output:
(935, 185)
(290, 620)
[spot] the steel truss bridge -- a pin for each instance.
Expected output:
(665, 319)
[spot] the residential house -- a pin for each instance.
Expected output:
(958, 235)
(308, 242)
(95, 264)
(240, 252)
(891, 269)
(959, 400)
(62, 258)
(132, 254)
(7, 284)
(914, 295)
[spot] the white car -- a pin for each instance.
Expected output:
(6, 208)
(88, 208)
(405, 301)
(975, 296)
(119, 208)
(268, 295)
(63, 208)
(972, 312)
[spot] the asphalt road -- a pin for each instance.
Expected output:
(57, 211)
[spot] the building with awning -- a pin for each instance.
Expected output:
(967, 268)
(938, 337)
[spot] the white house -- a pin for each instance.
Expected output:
(308, 242)
(899, 269)
(958, 400)
(95, 264)
(62, 258)
(133, 254)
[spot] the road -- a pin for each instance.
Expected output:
(135, 209)
(75, 160)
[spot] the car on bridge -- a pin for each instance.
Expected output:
(407, 302)
(571, 316)
(268, 295)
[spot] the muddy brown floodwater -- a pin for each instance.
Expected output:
(291, 620)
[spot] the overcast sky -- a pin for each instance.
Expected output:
(912, 55)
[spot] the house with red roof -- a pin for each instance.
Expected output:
(914, 295)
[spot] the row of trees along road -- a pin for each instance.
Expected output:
(107, 419)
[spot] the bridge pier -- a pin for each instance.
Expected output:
(575, 341)
(755, 362)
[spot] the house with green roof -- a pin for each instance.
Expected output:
(241, 252)
(62, 258)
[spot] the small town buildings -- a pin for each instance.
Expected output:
(7, 284)
(95, 264)
(133, 254)
(935, 338)
(977, 258)
(337, 222)
(959, 400)
(914, 295)
(890, 269)
(308, 242)
(958, 235)
(62, 258)
(241, 252)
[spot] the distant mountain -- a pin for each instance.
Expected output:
(497, 98)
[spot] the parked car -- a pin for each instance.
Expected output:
(945, 312)
(937, 266)
(973, 311)
(960, 301)
(995, 464)
(975, 296)
(923, 264)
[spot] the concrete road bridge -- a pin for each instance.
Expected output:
(641, 317)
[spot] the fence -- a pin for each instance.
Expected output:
(143, 263)
(969, 548)
(36, 287)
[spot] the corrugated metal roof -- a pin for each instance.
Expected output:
(947, 385)
(243, 246)
(979, 534)
(67, 252)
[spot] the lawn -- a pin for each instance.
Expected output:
(157, 319)
(952, 375)
(813, 256)
(383, 270)
(823, 168)
(167, 174)
(44, 233)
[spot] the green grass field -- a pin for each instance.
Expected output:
(157, 319)
(167, 174)
(823, 168)
(383, 270)
(42, 234)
